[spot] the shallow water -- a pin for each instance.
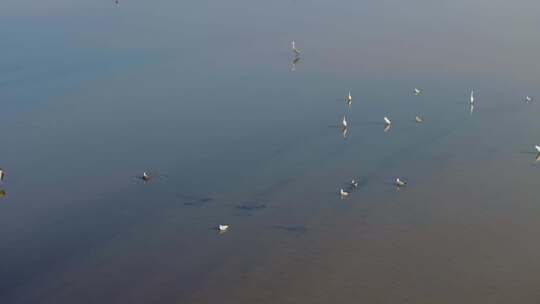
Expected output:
(202, 96)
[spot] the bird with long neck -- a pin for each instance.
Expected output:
(295, 50)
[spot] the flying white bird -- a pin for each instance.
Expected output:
(222, 228)
(418, 119)
(472, 96)
(349, 98)
(344, 122)
(145, 176)
(417, 91)
(343, 193)
(537, 148)
(354, 183)
(294, 49)
(528, 99)
(387, 121)
(2, 175)
(400, 183)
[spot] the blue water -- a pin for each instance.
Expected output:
(202, 95)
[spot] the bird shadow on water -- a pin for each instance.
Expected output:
(249, 208)
(195, 201)
(297, 229)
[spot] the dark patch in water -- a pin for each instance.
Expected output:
(251, 206)
(248, 208)
(295, 229)
(191, 201)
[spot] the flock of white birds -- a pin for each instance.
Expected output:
(398, 182)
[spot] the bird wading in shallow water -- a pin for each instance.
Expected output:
(344, 122)
(145, 177)
(295, 50)
(223, 228)
(400, 183)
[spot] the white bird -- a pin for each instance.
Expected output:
(471, 109)
(294, 49)
(528, 99)
(537, 148)
(354, 183)
(2, 175)
(222, 228)
(344, 122)
(349, 98)
(145, 176)
(417, 91)
(472, 96)
(400, 183)
(387, 121)
(343, 193)
(419, 119)
(386, 128)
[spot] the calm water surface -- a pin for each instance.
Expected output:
(201, 95)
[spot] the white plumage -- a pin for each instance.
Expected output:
(472, 96)
(223, 228)
(400, 182)
(387, 121)
(344, 122)
(294, 49)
